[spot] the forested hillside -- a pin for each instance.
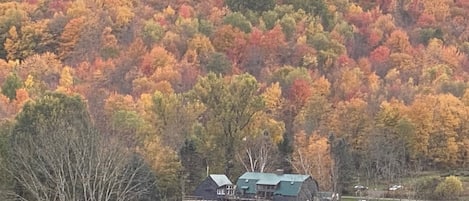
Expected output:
(339, 89)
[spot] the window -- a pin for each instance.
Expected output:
(265, 194)
(229, 190)
(266, 187)
(220, 191)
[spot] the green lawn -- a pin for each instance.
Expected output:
(408, 182)
(347, 198)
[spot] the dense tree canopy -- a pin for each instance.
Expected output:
(190, 87)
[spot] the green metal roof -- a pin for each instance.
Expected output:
(287, 184)
(289, 188)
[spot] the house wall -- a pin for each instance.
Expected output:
(308, 190)
(207, 190)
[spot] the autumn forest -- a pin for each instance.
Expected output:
(151, 95)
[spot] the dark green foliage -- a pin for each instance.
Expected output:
(430, 33)
(109, 52)
(456, 88)
(288, 26)
(328, 49)
(284, 9)
(206, 27)
(252, 16)
(287, 75)
(238, 20)
(285, 148)
(343, 169)
(11, 84)
(270, 18)
(218, 63)
(46, 112)
(320, 41)
(316, 8)
(152, 32)
(255, 5)
(193, 164)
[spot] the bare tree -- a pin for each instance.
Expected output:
(342, 160)
(259, 153)
(55, 154)
(66, 164)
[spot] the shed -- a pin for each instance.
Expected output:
(214, 187)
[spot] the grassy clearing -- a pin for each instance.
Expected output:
(380, 188)
(347, 198)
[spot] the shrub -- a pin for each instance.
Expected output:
(424, 187)
(451, 188)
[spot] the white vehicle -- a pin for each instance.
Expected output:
(360, 187)
(395, 187)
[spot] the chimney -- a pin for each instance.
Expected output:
(279, 172)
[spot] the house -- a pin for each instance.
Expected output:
(276, 187)
(215, 187)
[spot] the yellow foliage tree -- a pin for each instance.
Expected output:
(12, 45)
(165, 162)
(349, 120)
(273, 98)
(421, 116)
(312, 156)
(66, 80)
(439, 129)
(70, 36)
(202, 46)
(440, 9)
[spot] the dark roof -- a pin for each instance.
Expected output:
(290, 184)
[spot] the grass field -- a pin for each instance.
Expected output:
(380, 187)
(346, 198)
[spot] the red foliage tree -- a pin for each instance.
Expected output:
(255, 37)
(186, 11)
(425, 20)
(231, 41)
(380, 54)
(273, 39)
(299, 92)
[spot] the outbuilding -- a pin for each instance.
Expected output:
(215, 187)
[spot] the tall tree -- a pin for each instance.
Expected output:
(312, 156)
(70, 36)
(6, 181)
(343, 170)
(388, 145)
(56, 155)
(231, 105)
(11, 84)
(193, 164)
